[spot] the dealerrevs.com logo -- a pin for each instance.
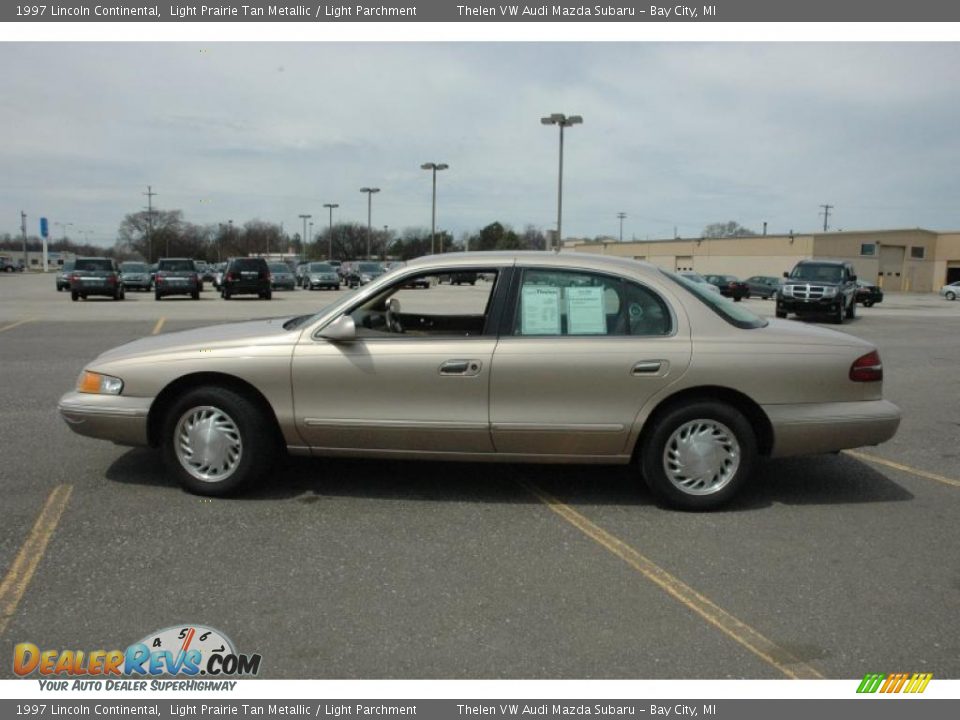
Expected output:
(894, 682)
(184, 650)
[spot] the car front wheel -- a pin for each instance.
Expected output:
(215, 440)
(951, 295)
(836, 315)
(698, 456)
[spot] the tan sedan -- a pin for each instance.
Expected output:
(550, 358)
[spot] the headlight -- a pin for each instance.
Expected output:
(829, 291)
(365, 278)
(91, 382)
(787, 290)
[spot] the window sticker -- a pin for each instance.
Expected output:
(585, 311)
(539, 310)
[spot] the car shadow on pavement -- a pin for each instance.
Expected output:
(815, 480)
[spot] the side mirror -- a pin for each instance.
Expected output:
(853, 278)
(343, 329)
(786, 274)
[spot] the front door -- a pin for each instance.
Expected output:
(416, 378)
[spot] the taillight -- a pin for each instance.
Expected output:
(231, 276)
(74, 278)
(867, 368)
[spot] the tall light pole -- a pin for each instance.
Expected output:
(433, 222)
(563, 121)
(621, 215)
(311, 231)
(369, 192)
(303, 238)
(331, 206)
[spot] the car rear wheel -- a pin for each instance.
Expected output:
(868, 303)
(74, 296)
(698, 456)
(215, 440)
(780, 313)
(195, 295)
(951, 295)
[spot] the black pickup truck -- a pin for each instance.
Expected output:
(819, 287)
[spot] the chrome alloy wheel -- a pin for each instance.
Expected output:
(701, 457)
(207, 443)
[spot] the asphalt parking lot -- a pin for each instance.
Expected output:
(829, 566)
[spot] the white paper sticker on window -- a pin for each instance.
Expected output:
(585, 314)
(539, 310)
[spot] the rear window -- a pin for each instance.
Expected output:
(176, 265)
(370, 267)
(733, 313)
(241, 264)
(94, 264)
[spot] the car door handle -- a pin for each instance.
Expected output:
(646, 367)
(460, 367)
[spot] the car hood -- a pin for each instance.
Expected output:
(241, 334)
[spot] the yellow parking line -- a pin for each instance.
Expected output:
(739, 631)
(16, 324)
(903, 468)
(15, 583)
(158, 326)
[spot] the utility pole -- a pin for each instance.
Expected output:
(303, 239)
(149, 193)
(23, 232)
(621, 215)
(826, 215)
(330, 206)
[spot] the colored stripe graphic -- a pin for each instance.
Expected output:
(894, 682)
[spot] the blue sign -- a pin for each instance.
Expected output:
(44, 230)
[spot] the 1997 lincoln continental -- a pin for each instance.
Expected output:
(566, 358)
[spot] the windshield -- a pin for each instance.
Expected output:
(321, 267)
(818, 273)
(370, 267)
(132, 267)
(279, 268)
(734, 314)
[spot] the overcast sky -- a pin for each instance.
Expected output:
(674, 134)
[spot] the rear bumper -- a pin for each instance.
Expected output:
(122, 420)
(813, 428)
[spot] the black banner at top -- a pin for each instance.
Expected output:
(481, 11)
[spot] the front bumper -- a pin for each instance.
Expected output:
(813, 428)
(820, 305)
(122, 420)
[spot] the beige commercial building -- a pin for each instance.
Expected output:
(899, 260)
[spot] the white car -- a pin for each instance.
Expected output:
(951, 291)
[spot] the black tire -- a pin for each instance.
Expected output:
(868, 303)
(157, 296)
(852, 310)
(780, 313)
(226, 294)
(738, 298)
(268, 295)
(836, 315)
(74, 296)
(195, 295)
(719, 421)
(951, 295)
(257, 438)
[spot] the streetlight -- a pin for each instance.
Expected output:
(311, 231)
(622, 215)
(563, 121)
(369, 192)
(331, 206)
(433, 223)
(303, 243)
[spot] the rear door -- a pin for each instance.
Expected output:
(582, 354)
